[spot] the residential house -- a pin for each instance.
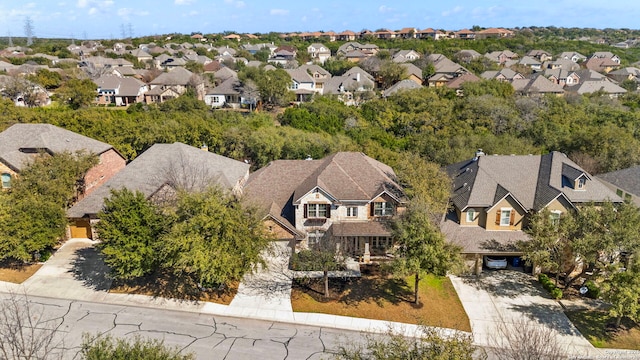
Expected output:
(350, 86)
(365, 49)
(120, 91)
(404, 56)
(494, 33)
(606, 55)
(282, 57)
(254, 48)
(401, 85)
(384, 34)
(235, 37)
(407, 33)
(226, 94)
(431, 34)
(141, 55)
(562, 77)
(21, 143)
(226, 51)
(601, 65)
(465, 34)
(318, 52)
(346, 35)
(302, 84)
(576, 57)
(505, 57)
(158, 173)
(223, 74)
(536, 85)
(540, 55)
(170, 85)
(504, 74)
(31, 94)
(414, 73)
(592, 86)
(320, 76)
(456, 83)
(564, 64)
(625, 183)
(627, 73)
(531, 63)
(466, 56)
(347, 197)
(494, 196)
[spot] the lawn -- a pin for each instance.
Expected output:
(593, 325)
(163, 284)
(376, 296)
(17, 273)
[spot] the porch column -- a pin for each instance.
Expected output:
(478, 265)
(367, 255)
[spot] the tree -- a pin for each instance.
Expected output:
(524, 339)
(35, 221)
(214, 239)
(25, 331)
(129, 229)
(106, 347)
(77, 93)
(323, 256)
(622, 291)
(431, 345)
(420, 246)
(390, 73)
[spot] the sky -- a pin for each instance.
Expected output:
(111, 19)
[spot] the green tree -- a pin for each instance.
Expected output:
(215, 239)
(622, 291)
(431, 345)
(47, 79)
(324, 256)
(129, 229)
(77, 93)
(194, 67)
(390, 73)
(420, 246)
(109, 348)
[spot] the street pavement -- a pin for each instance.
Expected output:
(75, 274)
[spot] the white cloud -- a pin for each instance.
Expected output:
(236, 3)
(455, 10)
(183, 2)
(126, 13)
(93, 11)
(385, 9)
(82, 3)
(279, 12)
(30, 5)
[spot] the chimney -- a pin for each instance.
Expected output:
(358, 77)
(479, 153)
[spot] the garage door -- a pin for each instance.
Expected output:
(80, 228)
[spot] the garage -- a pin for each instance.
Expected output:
(80, 228)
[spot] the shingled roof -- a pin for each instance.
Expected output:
(20, 141)
(166, 164)
(533, 180)
(625, 179)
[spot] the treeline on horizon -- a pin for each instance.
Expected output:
(599, 133)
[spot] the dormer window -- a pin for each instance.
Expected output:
(471, 215)
(581, 183)
(382, 209)
(6, 180)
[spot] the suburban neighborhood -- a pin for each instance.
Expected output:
(422, 184)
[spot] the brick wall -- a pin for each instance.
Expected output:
(110, 163)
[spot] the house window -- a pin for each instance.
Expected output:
(627, 197)
(554, 216)
(6, 180)
(505, 217)
(314, 238)
(317, 210)
(619, 192)
(580, 184)
(216, 99)
(294, 86)
(382, 209)
(471, 215)
(352, 211)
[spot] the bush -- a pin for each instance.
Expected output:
(594, 290)
(99, 348)
(548, 285)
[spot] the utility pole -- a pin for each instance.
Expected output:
(10, 39)
(130, 31)
(28, 30)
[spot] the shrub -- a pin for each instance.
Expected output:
(594, 290)
(548, 285)
(556, 293)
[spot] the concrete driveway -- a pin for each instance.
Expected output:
(513, 298)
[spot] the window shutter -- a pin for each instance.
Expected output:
(305, 211)
(512, 219)
(497, 216)
(371, 210)
(328, 206)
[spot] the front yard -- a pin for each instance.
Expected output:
(376, 296)
(595, 326)
(17, 273)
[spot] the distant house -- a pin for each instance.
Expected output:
(318, 52)
(431, 34)
(540, 55)
(226, 94)
(120, 91)
(346, 35)
(604, 86)
(302, 84)
(159, 172)
(350, 85)
(402, 85)
(465, 34)
(414, 73)
(531, 63)
(627, 73)
(494, 33)
(347, 197)
(494, 197)
(467, 56)
(172, 84)
(602, 65)
(606, 55)
(502, 57)
(573, 56)
(403, 56)
(504, 74)
(537, 85)
(407, 33)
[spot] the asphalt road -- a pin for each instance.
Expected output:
(207, 336)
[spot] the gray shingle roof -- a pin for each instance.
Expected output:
(626, 179)
(401, 85)
(18, 142)
(532, 180)
(177, 76)
(164, 164)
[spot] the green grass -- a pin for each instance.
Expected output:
(593, 325)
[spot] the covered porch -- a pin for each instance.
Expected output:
(363, 240)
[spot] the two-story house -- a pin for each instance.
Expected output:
(346, 197)
(318, 52)
(494, 196)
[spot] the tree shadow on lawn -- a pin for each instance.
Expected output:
(351, 292)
